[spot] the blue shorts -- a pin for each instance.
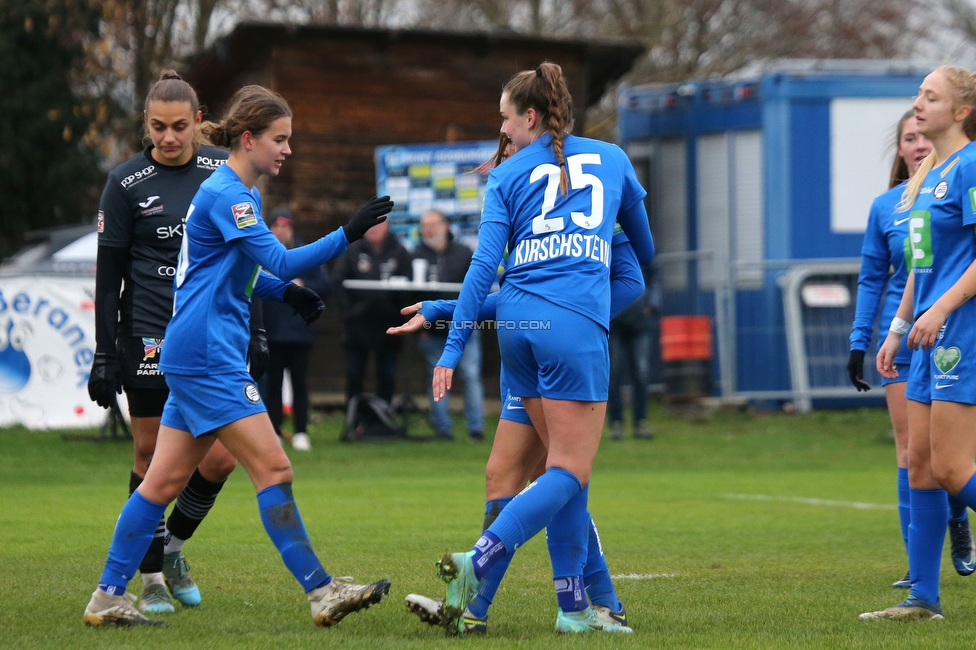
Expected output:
(202, 404)
(947, 372)
(512, 407)
(552, 352)
(903, 361)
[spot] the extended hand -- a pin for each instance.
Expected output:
(415, 324)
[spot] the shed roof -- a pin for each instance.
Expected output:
(251, 41)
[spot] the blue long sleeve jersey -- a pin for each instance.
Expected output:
(940, 227)
(626, 285)
(225, 245)
(559, 243)
(885, 247)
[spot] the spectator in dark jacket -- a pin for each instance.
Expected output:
(448, 261)
(290, 340)
(366, 314)
(630, 354)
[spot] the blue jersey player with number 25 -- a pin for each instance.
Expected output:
(553, 203)
(212, 396)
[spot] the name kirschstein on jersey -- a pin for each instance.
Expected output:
(143, 209)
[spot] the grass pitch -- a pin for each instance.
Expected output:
(749, 530)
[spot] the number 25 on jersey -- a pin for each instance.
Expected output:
(578, 179)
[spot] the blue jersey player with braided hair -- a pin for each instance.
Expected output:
(212, 396)
(518, 456)
(554, 204)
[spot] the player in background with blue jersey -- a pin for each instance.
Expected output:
(553, 204)
(518, 456)
(140, 227)
(940, 203)
(212, 396)
(886, 247)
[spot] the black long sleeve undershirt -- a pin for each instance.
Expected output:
(111, 264)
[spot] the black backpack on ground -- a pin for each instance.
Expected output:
(370, 418)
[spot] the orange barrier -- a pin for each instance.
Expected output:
(686, 337)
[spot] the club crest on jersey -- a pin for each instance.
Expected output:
(244, 214)
(251, 393)
(101, 221)
(941, 190)
(151, 348)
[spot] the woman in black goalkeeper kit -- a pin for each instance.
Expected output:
(140, 230)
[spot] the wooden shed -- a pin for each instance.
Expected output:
(353, 89)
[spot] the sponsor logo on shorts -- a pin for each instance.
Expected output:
(251, 393)
(941, 190)
(946, 359)
(151, 348)
(244, 214)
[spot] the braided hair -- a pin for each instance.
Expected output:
(544, 89)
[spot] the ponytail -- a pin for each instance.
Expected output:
(544, 89)
(915, 184)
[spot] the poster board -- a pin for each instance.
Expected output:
(47, 343)
(440, 176)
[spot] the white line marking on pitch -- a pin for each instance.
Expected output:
(857, 505)
(643, 576)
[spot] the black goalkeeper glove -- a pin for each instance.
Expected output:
(258, 354)
(369, 215)
(305, 302)
(855, 368)
(105, 380)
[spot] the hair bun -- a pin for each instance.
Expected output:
(170, 74)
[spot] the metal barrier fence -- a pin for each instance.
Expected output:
(782, 327)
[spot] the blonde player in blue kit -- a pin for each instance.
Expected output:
(940, 203)
(886, 247)
(553, 204)
(212, 396)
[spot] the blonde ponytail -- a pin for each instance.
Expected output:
(915, 184)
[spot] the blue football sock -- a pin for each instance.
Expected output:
(570, 594)
(967, 495)
(281, 519)
(957, 510)
(904, 506)
(567, 535)
(926, 535)
(133, 532)
(596, 573)
(489, 585)
(526, 515)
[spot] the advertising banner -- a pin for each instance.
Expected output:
(440, 176)
(47, 342)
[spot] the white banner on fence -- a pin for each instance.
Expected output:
(47, 340)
